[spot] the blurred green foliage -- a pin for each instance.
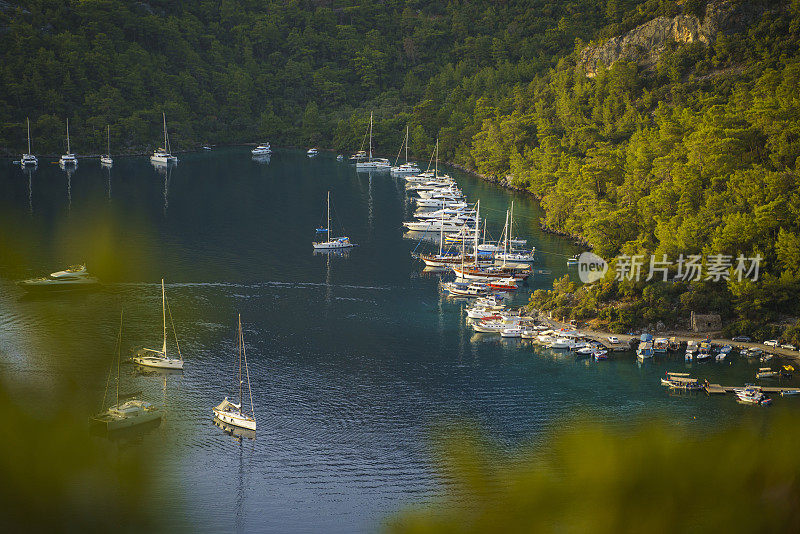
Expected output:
(57, 478)
(652, 477)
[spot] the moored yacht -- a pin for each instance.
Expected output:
(331, 243)
(372, 164)
(262, 150)
(162, 156)
(28, 158)
(230, 412)
(106, 158)
(407, 167)
(312, 152)
(155, 357)
(128, 410)
(69, 159)
(73, 277)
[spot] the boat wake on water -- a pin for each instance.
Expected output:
(253, 285)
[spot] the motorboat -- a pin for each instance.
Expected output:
(331, 243)
(161, 155)
(600, 354)
(312, 152)
(560, 343)
(71, 278)
(511, 332)
(128, 410)
(660, 345)
(159, 358)
(465, 288)
(752, 395)
(516, 256)
(262, 150)
(339, 158)
(766, 372)
(28, 158)
(230, 412)
(503, 284)
(69, 159)
(644, 351)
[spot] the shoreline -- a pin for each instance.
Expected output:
(679, 335)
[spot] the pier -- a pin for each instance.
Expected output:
(716, 389)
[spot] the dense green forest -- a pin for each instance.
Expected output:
(696, 153)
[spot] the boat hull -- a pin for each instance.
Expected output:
(158, 362)
(235, 419)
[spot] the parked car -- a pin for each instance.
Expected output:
(771, 343)
(788, 346)
(744, 339)
(613, 340)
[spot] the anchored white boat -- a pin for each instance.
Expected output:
(69, 159)
(28, 158)
(162, 156)
(337, 243)
(73, 277)
(106, 158)
(372, 164)
(407, 167)
(232, 413)
(262, 150)
(160, 358)
(128, 410)
(312, 152)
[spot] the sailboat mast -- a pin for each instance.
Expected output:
(329, 216)
(108, 139)
(29, 139)
(29, 134)
(164, 316)
(441, 234)
(241, 348)
(477, 229)
(505, 243)
(119, 351)
(511, 225)
(68, 152)
(247, 373)
(436, 168)
(370, 136)
(164, 116)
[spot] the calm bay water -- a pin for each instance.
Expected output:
(354, 360)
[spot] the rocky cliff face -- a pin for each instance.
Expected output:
(645, 43)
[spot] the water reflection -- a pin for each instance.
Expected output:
(107, 169)
(263, 159)
(29, 170)
(165, 170)
(69, 170)
(235, 431)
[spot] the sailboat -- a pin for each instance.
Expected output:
(128, 410)
(106, 159)
(28, 158)
(69, 158)
(407, 167)
(228, 412)
(509, 254)
(161, 156)
(337, 243)
(155, 357)
(373, 164)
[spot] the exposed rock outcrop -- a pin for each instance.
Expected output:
(645, 43)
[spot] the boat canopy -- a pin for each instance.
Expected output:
(226, 405)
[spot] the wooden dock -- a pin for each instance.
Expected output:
(716, 389)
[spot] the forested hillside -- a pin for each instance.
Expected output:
(293, 72)
(693, 152)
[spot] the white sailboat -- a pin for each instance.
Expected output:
(373, 164)
(229, 412)
(28, 158)
(155, 357)
(106, 159)
(262, 150)
(128, 410)
(162, 156)
(337, 243)
(407, 167)
(68, 159)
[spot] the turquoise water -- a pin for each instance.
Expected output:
(354, 360)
